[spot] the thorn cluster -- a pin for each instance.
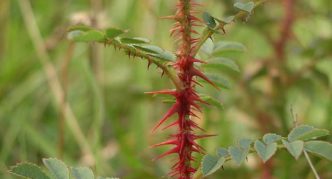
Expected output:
(187, 102)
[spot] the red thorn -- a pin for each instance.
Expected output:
(168, 92)
(168, 142)
(174, 150)
(203, 136)
(169, 113)
(195, 72)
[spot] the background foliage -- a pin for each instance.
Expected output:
(105, 90)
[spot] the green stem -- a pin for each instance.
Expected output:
(311, 165)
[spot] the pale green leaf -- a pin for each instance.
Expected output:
(86, 36)
(295, 148)
(271, 138)
(222, 152)
(305, 132)
(321, 148)
(238, 154)
(265, 152)
(219, 81)
(57, 168)
(245, 144)
(210, 164)
(82, 173)
(248, 6)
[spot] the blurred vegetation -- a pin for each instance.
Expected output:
(286, 68)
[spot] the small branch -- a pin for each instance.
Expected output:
(135, 52)
(311, 165)
(241, 15)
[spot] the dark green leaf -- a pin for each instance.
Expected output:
(209, 20)
(271, 138)
(210, 164)
(321, 148)
(29, 170)
(305, 132)
(248, 6)
(57, 168)
(265, 152)
(295, 148)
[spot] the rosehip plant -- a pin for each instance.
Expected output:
(193, 31)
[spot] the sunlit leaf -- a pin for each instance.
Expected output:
(82, 173)
(113, 32)
(57, 168)
(85, 36)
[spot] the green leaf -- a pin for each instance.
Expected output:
(210, 164)
(113, 32)
(134, 40)
(57, 168)
(222, 152)
(211, 100)
(82, 173)
(219, 81)
(305, 132)
(86, 36)
(271, 138)
(265, 152)
(248, 6)
(227, 20)
(29, 170)
(228, 46)
(209, 20)
(156, 51)
(238, 154)
(295, 148)
(223, 62)
(321, 148)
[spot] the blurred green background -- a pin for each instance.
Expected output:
(110, 117)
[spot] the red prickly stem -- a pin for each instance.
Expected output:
(187, 100)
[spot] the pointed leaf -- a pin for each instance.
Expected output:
(82, 173)
(29, 170)
(248, 6)
(294, 148)
(113, 32)
(156, 51)
(321, 148)
(245, 143)
(271, 138)
(210, 164)
(265, 152)
(305, 132)
(218, 62)
(57, 168)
